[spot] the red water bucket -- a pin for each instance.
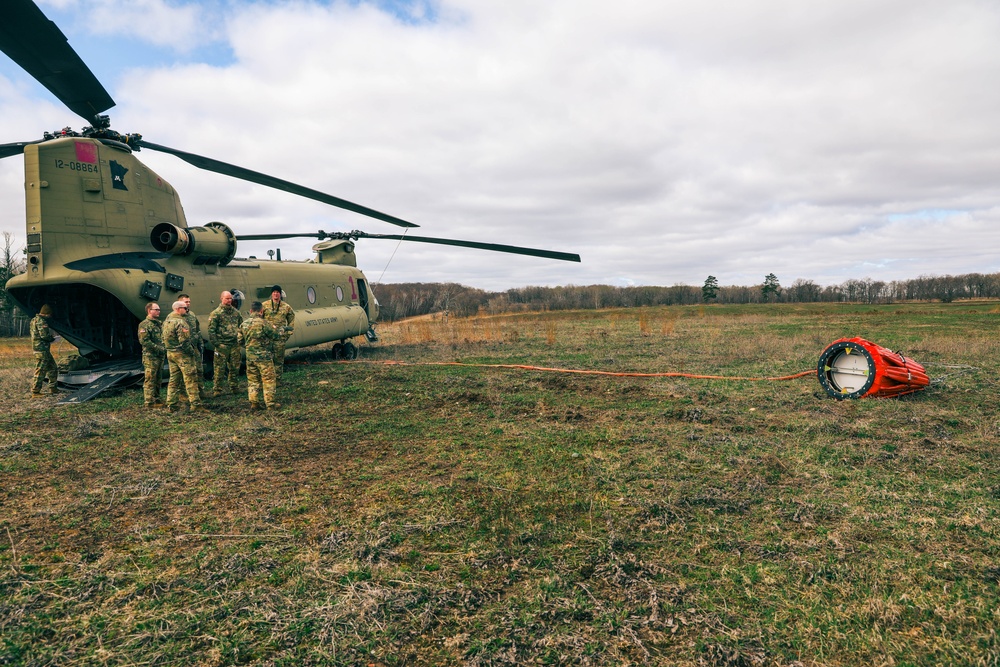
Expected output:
(857, 368)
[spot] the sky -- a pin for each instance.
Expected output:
(662, 141)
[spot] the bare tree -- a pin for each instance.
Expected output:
(11, 264)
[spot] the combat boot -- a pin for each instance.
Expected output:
(54, 390)
(174, 408)
(37, 394)
(201, 410)
(274, 406)
(255, 406)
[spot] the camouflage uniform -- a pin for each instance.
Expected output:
(153, 355)
(199, 348)
(181, 353)
(45, 364)
(282, 318)
(224, 335)
(259, 337)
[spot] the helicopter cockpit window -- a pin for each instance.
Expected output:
(238, 298)
(311, 295)
(340, 293)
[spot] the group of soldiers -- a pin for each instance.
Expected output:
(179, 341)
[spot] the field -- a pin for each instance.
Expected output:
(426, 514)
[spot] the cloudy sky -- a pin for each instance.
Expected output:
(662, 140)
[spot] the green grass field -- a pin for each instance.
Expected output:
(465, 515)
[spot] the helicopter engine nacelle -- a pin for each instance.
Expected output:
(214, 243)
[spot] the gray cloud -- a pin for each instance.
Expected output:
(662, 141)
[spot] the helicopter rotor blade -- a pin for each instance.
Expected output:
(36, 44)
(273, 182)
(495, 247)
(7, 150)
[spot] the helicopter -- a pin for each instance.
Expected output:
(106, 234)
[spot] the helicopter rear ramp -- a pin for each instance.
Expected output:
(89, 383)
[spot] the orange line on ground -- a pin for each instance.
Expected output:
(577, 371)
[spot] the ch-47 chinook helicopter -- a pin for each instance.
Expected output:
(106, 235)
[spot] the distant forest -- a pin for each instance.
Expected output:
(401, 300)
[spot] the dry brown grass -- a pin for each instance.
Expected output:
(466, 516)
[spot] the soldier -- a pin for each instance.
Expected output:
(153, 354)
(259, 337)
(197, 340)
(282, 318)
(45, 365)
(224, 335)
(181, 353)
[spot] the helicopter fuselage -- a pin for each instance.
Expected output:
(106, 235)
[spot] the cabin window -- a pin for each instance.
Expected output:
(340, 293)
(311, 295)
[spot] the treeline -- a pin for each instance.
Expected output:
(401, 300)
(12, 321)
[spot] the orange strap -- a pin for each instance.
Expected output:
(524, 367)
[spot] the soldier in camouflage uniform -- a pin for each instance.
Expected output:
(282, 318)
(45, 364)
(153, 354)
(224, 335)
(197, 340)
(259, 337)
(181, 354)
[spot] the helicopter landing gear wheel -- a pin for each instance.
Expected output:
(344, 351)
